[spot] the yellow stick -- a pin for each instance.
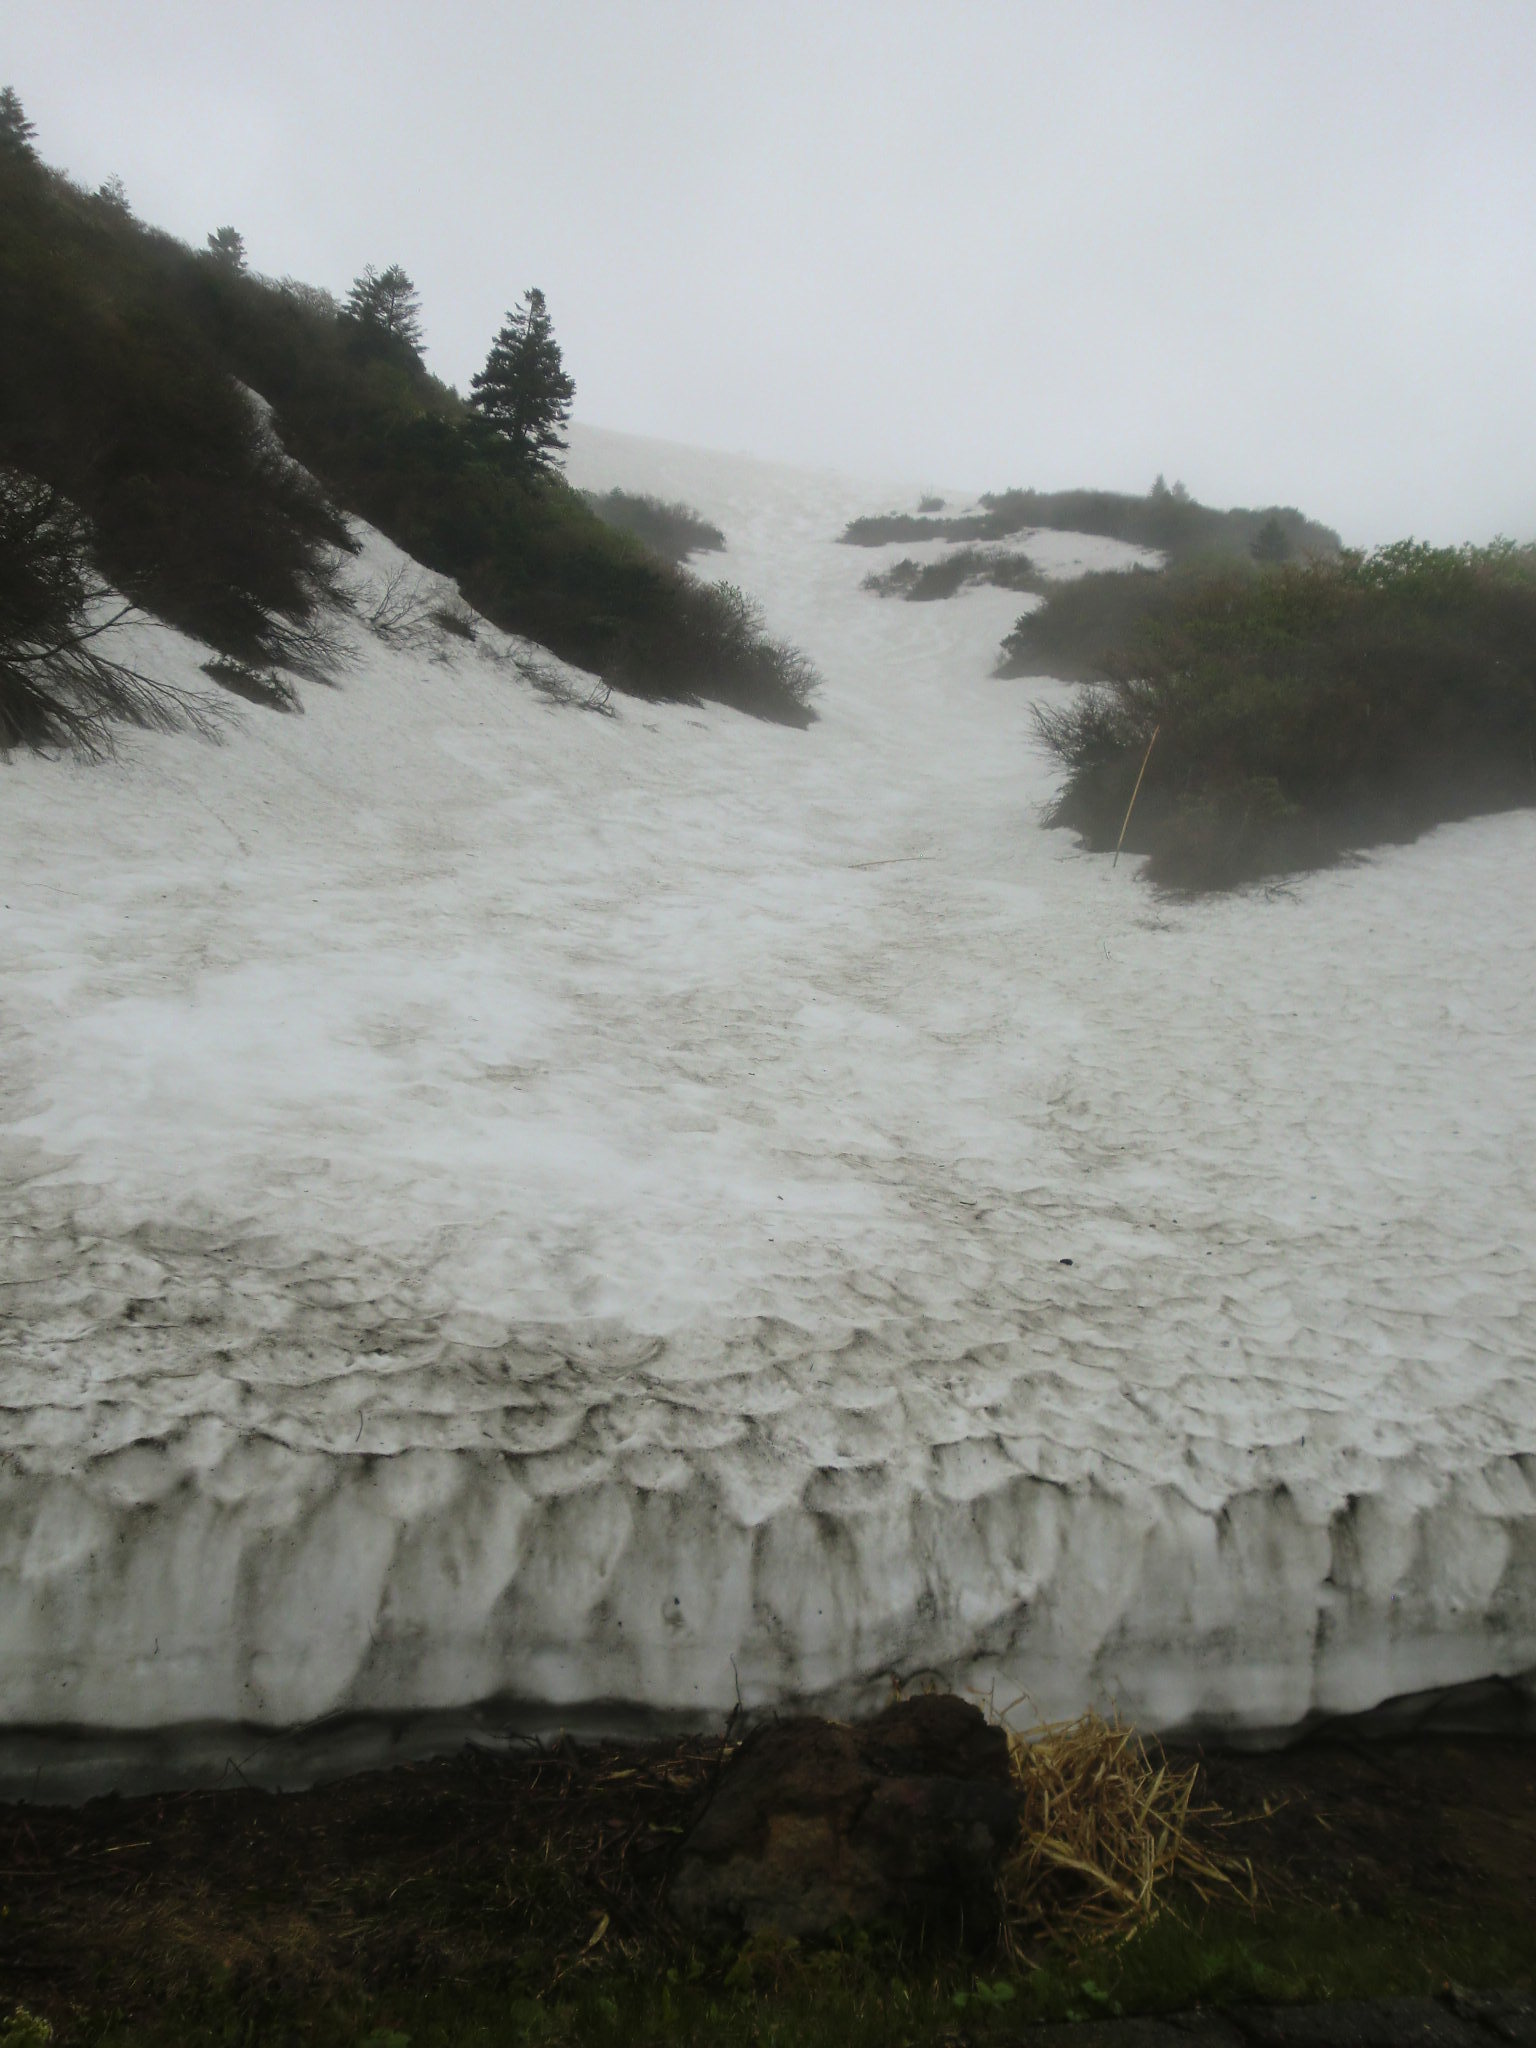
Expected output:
(1136, 792)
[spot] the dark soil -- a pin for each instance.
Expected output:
(1422, 1823)
(414, 1903)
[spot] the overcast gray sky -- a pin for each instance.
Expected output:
(1284, 251)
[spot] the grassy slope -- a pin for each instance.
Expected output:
(118, 347)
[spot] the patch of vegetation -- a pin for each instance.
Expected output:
(113, 395)
(1287, 716)
(1077, 632)
(122, 354)
(1108, 1831)
(1165, 518)
(525, 550)
(668, 528)
(401, 607)
(257, 686)
(922, 582)
(880, 529)
(454, 617)
(1171, 521)
(859, 1993)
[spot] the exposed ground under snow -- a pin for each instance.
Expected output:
(502, 1204)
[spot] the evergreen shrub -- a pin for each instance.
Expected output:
(1303, 711)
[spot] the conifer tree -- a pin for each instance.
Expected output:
(387, 302)
(59, 686)
(227, 246)
(16, 131)
(523, 393)
(1271, 544)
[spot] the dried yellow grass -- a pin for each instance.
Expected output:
(1106, 1828)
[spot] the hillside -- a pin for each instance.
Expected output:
(122, 354)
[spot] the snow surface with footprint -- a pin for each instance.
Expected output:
(589, 1216)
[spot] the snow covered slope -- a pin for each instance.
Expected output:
(508, 1205)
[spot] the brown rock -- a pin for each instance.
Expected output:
(816, 1824)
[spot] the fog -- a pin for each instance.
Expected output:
(1288, 255)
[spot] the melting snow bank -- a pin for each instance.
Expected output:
(278, 1587)
(520, 1218)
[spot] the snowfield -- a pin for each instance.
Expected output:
(541, 1218)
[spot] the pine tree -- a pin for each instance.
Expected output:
(16, 131)
(1271, 544)
(227, 246)
(388, 303)
(112, 192)
(59, 684)
(523, 393)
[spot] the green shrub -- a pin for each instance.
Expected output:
(922, 582)
(527, 551)
(1168, 520)
(669, 529)
(709, 639)
(1171, 521)
(879, 529)
(1309, 709)
(24, 2029)
(1084, 621)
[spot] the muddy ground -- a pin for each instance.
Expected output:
(489, 1897)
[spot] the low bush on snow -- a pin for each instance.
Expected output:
(1166, 518)
(922, 582)
(1287, 715)
(1077, 631)
(666, 526)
